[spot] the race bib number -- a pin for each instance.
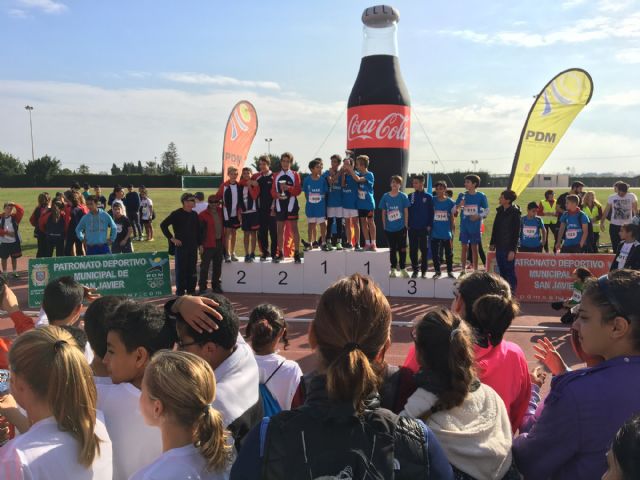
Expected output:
(393, 215)
(572, 234)
(362, 195)
(622, 260)
(577, 296)
(315, 198)
(529, 232)
(470, 210)
(440, 216)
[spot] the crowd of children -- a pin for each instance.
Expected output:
(76, 222)
(176, 392)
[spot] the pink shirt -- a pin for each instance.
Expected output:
(504, 368)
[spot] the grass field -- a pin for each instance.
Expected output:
(167, 199)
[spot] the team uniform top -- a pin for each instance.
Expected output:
(265, 182)
(420, 210)
(573, 227)
(394, 210)
(315, 192)
(442, 212)
(229, 192)
(334, 195)
(286, 201)
(530, 231)
(248, 199)
(349, 193)
(365, 192)
(474, 204)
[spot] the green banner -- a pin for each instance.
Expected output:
(137, 275)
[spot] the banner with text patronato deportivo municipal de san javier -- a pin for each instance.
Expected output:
(137, 275)
(550, 116)
(545, 277)
(238, 136)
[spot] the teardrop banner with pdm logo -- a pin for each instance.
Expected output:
(553, 111)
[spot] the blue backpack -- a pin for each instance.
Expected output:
(269, 404)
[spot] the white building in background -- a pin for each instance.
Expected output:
(544, 180)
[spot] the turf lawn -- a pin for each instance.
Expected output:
(167, 199)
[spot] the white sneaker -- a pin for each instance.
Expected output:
(393, 273)
(404, 273)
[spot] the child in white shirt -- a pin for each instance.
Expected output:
(177, 391)
(134, 333)
(265, 330)
(52, 381)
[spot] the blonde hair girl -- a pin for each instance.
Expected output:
(51, 380)
(177, 391)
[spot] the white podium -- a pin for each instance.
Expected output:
(322, 269)
(374, 264)
(283, 277)
(242, 277)
(444, 286)
(412, 287)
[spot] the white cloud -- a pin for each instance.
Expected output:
(629, 98)
(569, 4)
(218, 80)
(614, 6)
(17, 13)
(629, 55)
(46, 6)
(97, 126)
(585, 30)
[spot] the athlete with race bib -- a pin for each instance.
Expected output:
(315, 189)
(474, 207)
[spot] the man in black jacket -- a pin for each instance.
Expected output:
(505, 235)
(132, 205)
(184, 241)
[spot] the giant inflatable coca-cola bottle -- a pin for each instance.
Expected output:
(378, 117)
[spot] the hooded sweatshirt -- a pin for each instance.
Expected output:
(475, 436)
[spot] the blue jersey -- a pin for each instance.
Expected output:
(442, 212)
(365, 192)
(334, 197)
(315, 191)
(350, 193)
(530, 235)
(474, 204)
(573, 227)
(394, 211)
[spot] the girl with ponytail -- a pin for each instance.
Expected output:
(51, 380)
(265, 330)
(177, 391)
(485, 303)
(340, 431)
(468, 418)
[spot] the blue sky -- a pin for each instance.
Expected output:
(118, 80)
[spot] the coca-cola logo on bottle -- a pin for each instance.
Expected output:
(378, 126)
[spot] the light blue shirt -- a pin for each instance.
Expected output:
(94, 227)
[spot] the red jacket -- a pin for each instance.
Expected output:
(17, 217)
(35, 221)
(209, 225)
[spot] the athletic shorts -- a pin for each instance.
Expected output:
(13, 250)
(316, 219)
(365, 213)
(470, 236)
(286, 216)
(250, 222)
(349, 213)
(334, 212)
(232, 223)
(146, 222)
